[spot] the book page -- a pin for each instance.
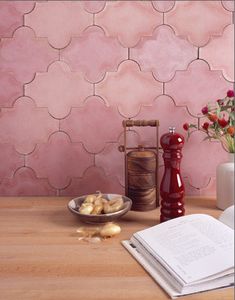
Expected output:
(227, 217)
(194, 246)
(152, 271)
(164, 282)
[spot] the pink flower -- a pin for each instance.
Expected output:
(230, 93)
(205, 110)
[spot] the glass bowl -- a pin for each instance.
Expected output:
(75, 204)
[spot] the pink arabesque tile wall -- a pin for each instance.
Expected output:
(71, 71)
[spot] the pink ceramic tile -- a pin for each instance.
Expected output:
(111, 154)
(198, 162)
(191, 190)
(229, 5)
(163, 53)
(22, 5)
(188, 19)
(18, 54)
(94, 124)
(10, 160)
(59, 89)
(210, 189)
(207, 191)
(163, 6)
(219, 53)
(93, 180)
(10, 89)
(129, 20)
(129, 88)
(25, 183)
(117, 169)
(11, 15)
(197, 86)
(164, 110)
(24, 125)
(97, 54)
(59, 160)
(132, 138)
(59, 21)
(94, 6)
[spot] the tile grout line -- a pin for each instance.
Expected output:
(59, 129)
(23, 90)
(24, 156)
(198, 123)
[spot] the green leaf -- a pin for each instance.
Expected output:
(192, 126)
(231, 116)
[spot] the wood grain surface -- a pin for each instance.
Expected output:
(41, 257)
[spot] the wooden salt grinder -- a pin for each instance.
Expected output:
(141, 169)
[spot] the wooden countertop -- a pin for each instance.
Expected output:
(41, 257)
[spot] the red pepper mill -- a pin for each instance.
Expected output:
(172, 187)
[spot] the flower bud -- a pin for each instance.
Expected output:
(205, 126)
(220, 101)
(205, 110)
(186, 126)
(230, 93)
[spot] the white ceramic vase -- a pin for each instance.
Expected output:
(225, 183)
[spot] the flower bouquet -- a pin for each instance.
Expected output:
(219, 123)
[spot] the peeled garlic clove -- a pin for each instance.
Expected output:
(104, 200)
(98, 201)
(114, 200)
(107, 208)
(110, 229)
(90, 199)
(113, 205)
(97, 209)
(85, 204)
(117, 204)
(86, 210)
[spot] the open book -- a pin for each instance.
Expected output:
(189, 254)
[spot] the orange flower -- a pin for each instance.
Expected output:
(222, 124)
(212, 117)
(230, 130)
